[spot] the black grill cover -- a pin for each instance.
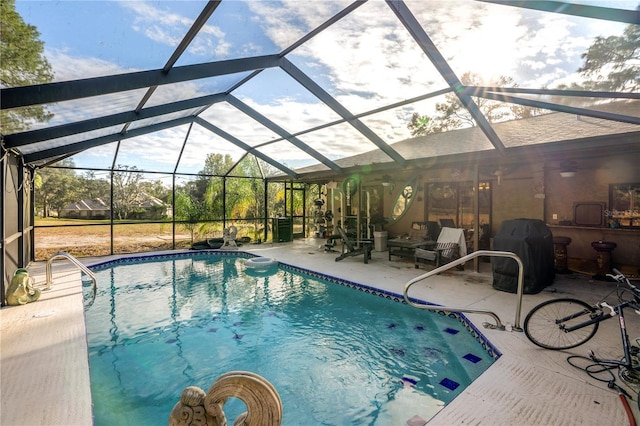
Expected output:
(531, 240)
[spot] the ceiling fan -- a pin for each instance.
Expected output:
(387, 182)
(566, 168)
(499, 172)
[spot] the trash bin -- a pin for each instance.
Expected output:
(380, 240)
(531, 240)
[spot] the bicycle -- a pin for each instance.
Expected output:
(565, 323)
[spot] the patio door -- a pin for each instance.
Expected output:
(295, 197)
(452, 204)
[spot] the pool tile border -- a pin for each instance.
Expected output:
(491, 350)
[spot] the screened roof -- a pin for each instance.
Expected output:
(299, 86)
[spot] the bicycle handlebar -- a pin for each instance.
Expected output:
(622, 279)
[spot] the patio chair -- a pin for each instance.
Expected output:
(433, 230)
(450, 246)
(351, 249)
(211, 243)
(447, 222)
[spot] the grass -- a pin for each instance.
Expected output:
(93, 238)
(86, 238)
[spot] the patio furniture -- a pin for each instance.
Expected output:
(211, 243)
(603, 258)
(405, 246)
(351, 249)
(331, 242)
(447, 223)
(560, 244)
(440, 254)
(451, 244)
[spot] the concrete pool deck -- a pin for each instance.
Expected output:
(44, 362)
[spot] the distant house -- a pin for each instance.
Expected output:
(97, 208)
(151, 207)
(148, 207)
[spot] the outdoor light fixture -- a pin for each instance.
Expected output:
(499, 174)
(567, 169)
(386, 180)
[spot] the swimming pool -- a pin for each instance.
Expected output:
(337, 352)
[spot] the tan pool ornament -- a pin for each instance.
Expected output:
(264, 407)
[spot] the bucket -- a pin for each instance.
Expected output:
(380, 240)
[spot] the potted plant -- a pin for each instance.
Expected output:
(378, 221)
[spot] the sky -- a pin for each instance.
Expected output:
(365, 61)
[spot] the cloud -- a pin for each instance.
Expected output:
(370, 56)
(158, 148)
(69, 67)
(289, 20)
(165, 27)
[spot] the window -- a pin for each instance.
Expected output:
(404, 200)
(624, 205)
(454, 200)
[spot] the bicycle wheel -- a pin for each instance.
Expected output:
(546, 324)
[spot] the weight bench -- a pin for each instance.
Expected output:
(352, 250)
(331, 242)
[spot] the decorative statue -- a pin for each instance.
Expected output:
(264, 407)
(21, 290)
(190, 409)
(229, 237)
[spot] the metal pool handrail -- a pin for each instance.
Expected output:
(83, 268)
(498, 325)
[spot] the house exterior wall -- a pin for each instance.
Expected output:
(537, 191)
(591, 184)
(515, 199)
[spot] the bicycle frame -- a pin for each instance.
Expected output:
(549, 325)
(593, 320)
(619, 311)
(566, 323)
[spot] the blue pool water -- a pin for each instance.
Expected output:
(337, 352)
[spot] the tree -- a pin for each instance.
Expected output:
(245, 197)
(126, 191)
(56, 187)
(453, 115)
(613, 63)
(23, 64)
(156, 189)
(210, 186)
(188, 211)
(92, 187)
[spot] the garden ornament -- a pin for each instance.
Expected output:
(21, 290)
